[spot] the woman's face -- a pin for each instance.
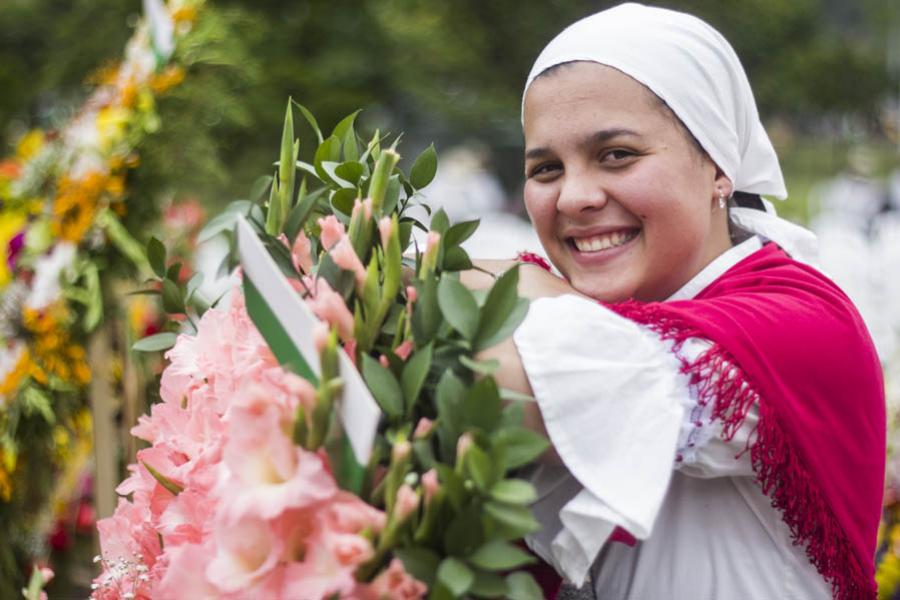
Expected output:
(623, 202)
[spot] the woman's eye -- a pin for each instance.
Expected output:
(617, 155)
(544, 171)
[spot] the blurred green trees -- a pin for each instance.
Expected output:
(437, 70)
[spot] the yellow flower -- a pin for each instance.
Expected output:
(76, 204)
(185, 14)
(111, 122)
(14, 377)
(5, 485)
(10, 224)
(30, 144)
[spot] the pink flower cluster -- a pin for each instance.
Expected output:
(237, 510)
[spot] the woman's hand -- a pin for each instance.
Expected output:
(534, 282)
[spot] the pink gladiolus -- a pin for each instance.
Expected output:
(430, 485)
(247, 551)
(394, 583)
(345, 257)
(411, 294)
(329, 306)
(47, 574)
(332, 231)
(423, 428)
(346, 513)
(385, 230)
(463, 444)
(407, 501)
(383, 360)
(301, 253)
(404, 349)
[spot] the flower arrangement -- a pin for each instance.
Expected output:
(249, 487)
(63, 196)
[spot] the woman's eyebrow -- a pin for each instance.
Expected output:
(598, 137)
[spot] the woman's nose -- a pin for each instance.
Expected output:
(580, 193)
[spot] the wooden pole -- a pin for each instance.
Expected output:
(103, 410)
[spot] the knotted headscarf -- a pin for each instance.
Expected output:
(690, 66)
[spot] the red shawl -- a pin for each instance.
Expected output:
(796, 345)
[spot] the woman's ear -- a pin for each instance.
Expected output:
(724, 187)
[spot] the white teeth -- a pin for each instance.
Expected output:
(605, 241)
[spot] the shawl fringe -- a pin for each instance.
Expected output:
(779, 470)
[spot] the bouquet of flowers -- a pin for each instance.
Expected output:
(252, 487)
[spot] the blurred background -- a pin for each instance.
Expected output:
(826, 74)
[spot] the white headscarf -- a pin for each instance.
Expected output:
(688, 64)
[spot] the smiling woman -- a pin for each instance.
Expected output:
(712, 399)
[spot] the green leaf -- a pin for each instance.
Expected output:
(449, 397)
(37, 400)
(482, 404)
(479, 467)
(440, 222)
(174, 272)
(458, 306)
(514, 491)
(424, 168)
(513, 396)
(309, 119)
(384, 387)
(414, 373)
(517, 519)
(350, 171)
(484, 367)
(329, 150)
(173, 303)
(391, 195)
(421, 563)
(156, 254)
(156, 342)
(426, 317)
(456, 259)
(343, 200)
(522, 445)
(257, 190)
(345, 124)
(460, 232)
(300, 213)
(499, 555)
(488, 585)
(163, 480)
(522, 586)
(454, 574)
(351, 149)
(503, 310)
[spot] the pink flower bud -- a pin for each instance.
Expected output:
(301, 253)
(320, 336)
(47, 574)
(411, 294)
(463, 444)
(430, 485)
(401, 451)
(332, 231)
(407, 501)
(434, 239)
(385, 228)
(423, 428)
(345, 257)
(384, 361)
(365, 206)
(329, 306)
(404, 349)
(350, 351)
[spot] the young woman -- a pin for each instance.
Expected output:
(713, 402)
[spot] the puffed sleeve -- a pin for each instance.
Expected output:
(620, 415)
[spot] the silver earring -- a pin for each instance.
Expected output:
(721, 199)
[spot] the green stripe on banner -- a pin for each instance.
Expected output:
(276, 337)
(350, 474)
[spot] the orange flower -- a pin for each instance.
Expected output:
(185, 14)
(76, 203)
(166, 80)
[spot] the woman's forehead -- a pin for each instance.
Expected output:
(585, 94)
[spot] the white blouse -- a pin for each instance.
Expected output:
(640, 453)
